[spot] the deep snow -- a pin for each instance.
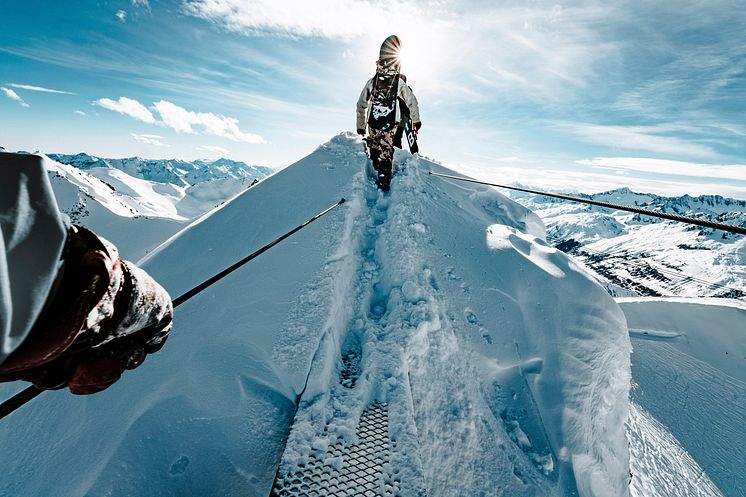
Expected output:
(689, 370)
(505, 365)
(516, 359)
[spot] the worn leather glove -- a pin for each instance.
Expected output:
(140, 325)
(91, 370)
(104, 318)
(417, 126)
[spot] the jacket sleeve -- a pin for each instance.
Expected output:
(362, 105)
(32, 236)
(406, 94)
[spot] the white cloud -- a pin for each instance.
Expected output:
(670, 167)
(127, 106)
(574, 181)
(175, 117)
(181, 120)
(121, 15)
(13, 96)
(184, 121)
(141, 3)
(80, 113)
(214, 149)
(149, 139)
(647, 138)
(327, 18)
(39, 89)
(514, 50)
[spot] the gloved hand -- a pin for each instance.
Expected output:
(106, 316)
(417, 126)
(140, 325)
(94, 369)
(361, 132)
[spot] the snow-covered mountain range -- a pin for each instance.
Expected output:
(177, 172)
(138, 203)
(491, 362)
(643, 255)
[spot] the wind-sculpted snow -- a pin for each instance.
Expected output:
(527, 309)
(518, 386)
(503, 365)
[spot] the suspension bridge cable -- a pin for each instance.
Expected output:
(31, 392)
(672, 217)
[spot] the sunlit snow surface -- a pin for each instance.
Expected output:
(659, 465)
(505, 366)
(135, 214)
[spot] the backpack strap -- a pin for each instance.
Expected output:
(383, 102)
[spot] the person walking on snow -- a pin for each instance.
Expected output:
(379, 109)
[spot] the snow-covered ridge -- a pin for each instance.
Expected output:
(174, 171)
(504, 366)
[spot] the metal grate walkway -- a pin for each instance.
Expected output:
(362, 470)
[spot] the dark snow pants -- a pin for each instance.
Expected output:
(381, 152)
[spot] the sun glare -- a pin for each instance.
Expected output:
(423, 54)
(419, 56)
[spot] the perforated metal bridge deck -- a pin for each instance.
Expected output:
(347, 469)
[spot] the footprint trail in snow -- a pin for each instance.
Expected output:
(360, 439)
(423, 382)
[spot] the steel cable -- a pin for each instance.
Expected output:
(31, 392)
(663, 215)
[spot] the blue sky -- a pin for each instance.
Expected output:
(579, 96)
